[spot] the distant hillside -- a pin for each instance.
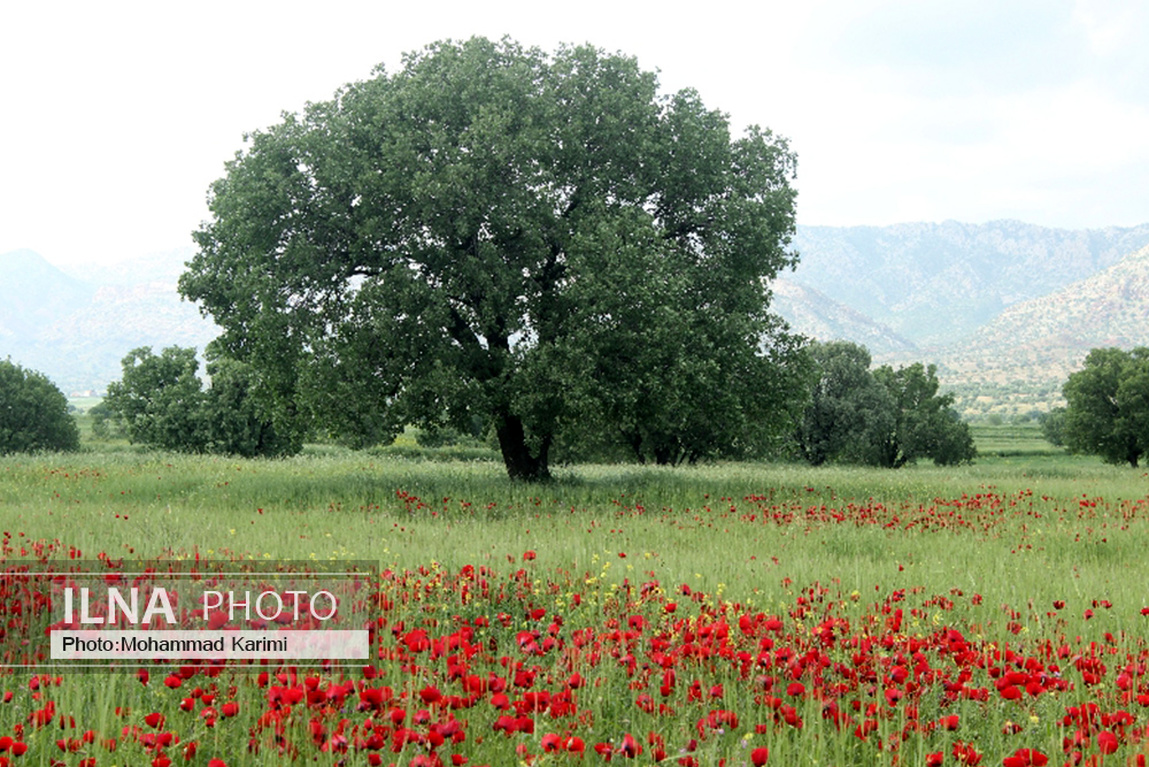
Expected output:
(76, 331)
(933, 284)
(814, 315)
(34, 293)
(1032, 347)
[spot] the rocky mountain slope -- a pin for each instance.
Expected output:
(816, 315)
(76, 331)
(1032, 347)
(934, 284)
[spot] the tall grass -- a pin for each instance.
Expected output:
(1005, 539)
(692, 522)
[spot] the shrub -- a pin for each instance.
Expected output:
(33, 413)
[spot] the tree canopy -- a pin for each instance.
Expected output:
(160, 401)
(543, 241)
(33, 413)
(846, 404)
(884, 417)
(1107, 406)
(922, 423)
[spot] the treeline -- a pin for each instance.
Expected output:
(840, 411)
(847, 412)
(161, 402)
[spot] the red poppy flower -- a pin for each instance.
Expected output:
(629, 747)
(1025, 757)
(966, 754)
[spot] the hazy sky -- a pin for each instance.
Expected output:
(116, 116)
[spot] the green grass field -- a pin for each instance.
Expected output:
(988, 550)
(1012, 440)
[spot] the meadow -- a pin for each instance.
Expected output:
(735, 614)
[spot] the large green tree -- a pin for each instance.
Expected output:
(465, 236)
(33, 413)
(1107, 405)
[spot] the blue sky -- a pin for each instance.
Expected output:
(118, 115)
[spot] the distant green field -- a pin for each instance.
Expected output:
(1012, 441)
(84, 404)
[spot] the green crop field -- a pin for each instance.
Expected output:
(716, 614)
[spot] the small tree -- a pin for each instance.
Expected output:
(33, 413)
(105, 425)
(924, 424)
(1107, 410)
(161, 402)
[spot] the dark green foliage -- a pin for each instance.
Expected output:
(884, 417)
(923, 424)
(542, 242)
(235, 424)
(1053, 426)
(451, 437)
(952, 442)
(846, 404)
(33, 413)
(160, 402)
(1107, 411)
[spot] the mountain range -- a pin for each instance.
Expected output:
(77, 327)
(1006, 310)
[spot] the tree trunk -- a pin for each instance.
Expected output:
(521, 464)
